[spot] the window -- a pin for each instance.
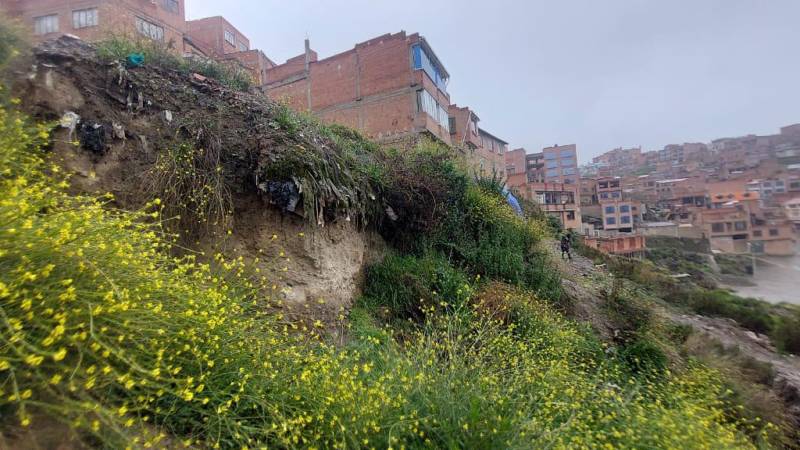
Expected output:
(552, 173)
(149, 29)
(757, 233)
(567, 162)
(242, 46)
(427, 104)
(566, 153)
(230, 38)
(452, 122)
(550, 156)
(570, 215)
(615, 194)
(773, 231)
(568, 171)
(604, 195)
(625, 219)
(45, 24)
(611, 220)
(172, 6)
(551, 164)
(624, 208)
(422, 61)
(718, 227)
(740, 226)
(610, 210)
(84, 18)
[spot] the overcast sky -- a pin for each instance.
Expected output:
(597, 73)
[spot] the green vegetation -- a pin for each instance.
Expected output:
(458, 341)
(776, 321)
(158, 54)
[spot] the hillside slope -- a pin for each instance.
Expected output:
(430, 314)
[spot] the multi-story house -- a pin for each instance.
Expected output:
(561, 164)
(491, 154)
(617, 215)
(219, 39)
(392, 87)
(160, 20)
(92, 20)
(556, 199)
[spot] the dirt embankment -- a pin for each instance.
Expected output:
(115, 121)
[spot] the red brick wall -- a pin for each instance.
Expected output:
(114, 17)
(210, 31)
(372, 86)
(256, 63)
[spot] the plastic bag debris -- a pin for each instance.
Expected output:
(69, 121)
(283, 194)
(92, 137)
(135, 59)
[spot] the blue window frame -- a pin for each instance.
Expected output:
(610, 210)
(424, 62)
(624, 208)
(625, 219)
(611, 220)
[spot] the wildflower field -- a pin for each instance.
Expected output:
(105, 330)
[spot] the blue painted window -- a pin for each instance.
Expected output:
(625, 219)
(609, 210)
(624, 208)
(611, 220)
(552, 173)
(423, 62)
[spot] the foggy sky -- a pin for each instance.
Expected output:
(597, 73)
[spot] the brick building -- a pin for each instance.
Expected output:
(161, 20)
(631, 245)
(519, 161)
(491, 154)
(561, 164)
(392, 87)
(222, 41)
(91, 20)
(556, 199)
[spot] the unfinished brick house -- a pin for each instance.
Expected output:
(219, 39)
(91, 20)
(391, 87)
(161, 20)
(484, 152)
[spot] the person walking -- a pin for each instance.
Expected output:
(566, 244)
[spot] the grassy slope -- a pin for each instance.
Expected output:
(456, 344)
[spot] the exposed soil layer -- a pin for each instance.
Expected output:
(115, 121)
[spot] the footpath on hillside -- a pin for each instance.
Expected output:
(583, 281)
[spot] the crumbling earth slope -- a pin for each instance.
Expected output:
(116, 120)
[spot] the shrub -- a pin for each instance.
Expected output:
(751, 314)
(163, 55)
(628, 312)
(12, 41)
(407, 285)
(787, 334)
(190, 184)
(644, 356)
